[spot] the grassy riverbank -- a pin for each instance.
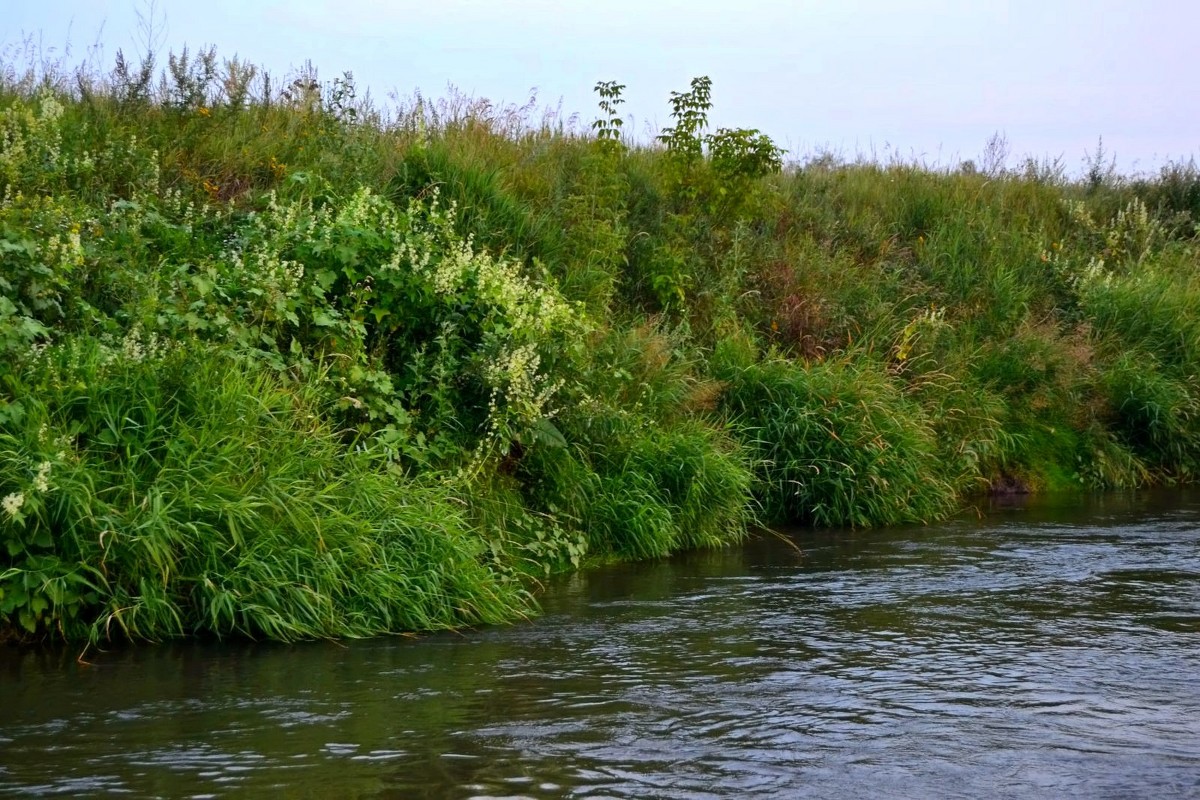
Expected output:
(277, 364)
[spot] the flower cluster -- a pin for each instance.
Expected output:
(516, 380)
(527, 320)
(12, 504)
(30, 141)
(135, 347)
(271, 282)
(366, 288)
(17, 505)
(1107, 250)
(64, 252)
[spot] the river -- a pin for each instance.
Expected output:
(1046, 650)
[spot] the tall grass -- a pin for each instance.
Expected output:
(276, 362)
(838, 443)
(189, 494)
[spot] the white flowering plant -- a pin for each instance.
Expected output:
(43, 258)
(54, 229)
(44, 151)
(31, 142)
(37, 588)
(422, 339)
(1104, 250)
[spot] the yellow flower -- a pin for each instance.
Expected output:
(203, 111)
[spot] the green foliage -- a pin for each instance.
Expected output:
(391, 303)
(737, 158)
(705, 193)
(593, 246)
(741, 158)
(640, 490)
(1150, 311)
(744, 153)
(275, 363)
(837, 443)
(1174, 196)
(637, 467)
(156, 491)
(1156, 414)
(690, 112)
(608, 126)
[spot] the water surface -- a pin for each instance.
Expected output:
(1045, 651)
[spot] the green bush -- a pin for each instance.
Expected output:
(637, 489)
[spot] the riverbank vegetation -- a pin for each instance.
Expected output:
(277, 363)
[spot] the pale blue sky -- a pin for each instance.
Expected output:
(930, 78)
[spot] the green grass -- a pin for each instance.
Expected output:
(838, 443)
(190, 494)
(282, 364)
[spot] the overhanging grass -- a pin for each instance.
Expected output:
(190, 494)
(837, 443)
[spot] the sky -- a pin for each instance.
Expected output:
(932, 80)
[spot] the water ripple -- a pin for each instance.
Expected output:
(1010, 658)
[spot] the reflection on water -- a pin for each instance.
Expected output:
(1035, 652)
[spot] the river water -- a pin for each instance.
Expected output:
(1040, 651)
